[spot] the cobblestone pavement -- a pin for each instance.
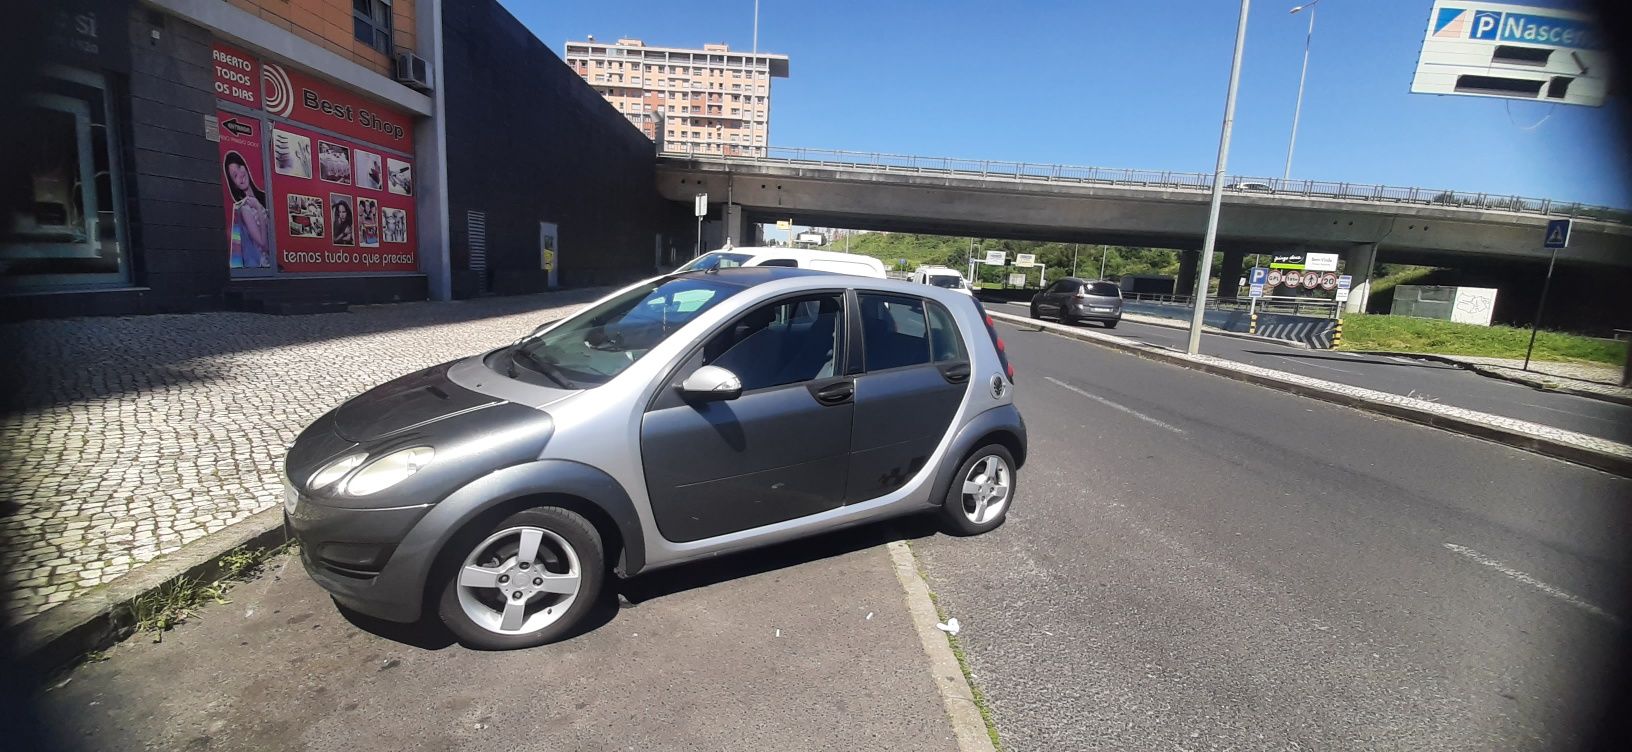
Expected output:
(125, 439)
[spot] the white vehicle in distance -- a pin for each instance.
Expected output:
(822, 261)
(942, 277)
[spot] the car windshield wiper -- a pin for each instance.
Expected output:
(540, 365)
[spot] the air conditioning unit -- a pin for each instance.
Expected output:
(413, 71)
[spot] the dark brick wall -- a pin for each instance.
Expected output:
(529, 141)
(174, 188)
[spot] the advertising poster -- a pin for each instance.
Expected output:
(237, 76)
(243, 192)
(369, 174)
(333, 222)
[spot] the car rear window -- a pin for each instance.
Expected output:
(716, 261)
(1103, 288)
(894, 331)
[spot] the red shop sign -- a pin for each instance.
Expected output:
(306, 99)
(237, 75)
(339, 206)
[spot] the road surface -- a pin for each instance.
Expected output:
(1197, 563)
(1435, 382)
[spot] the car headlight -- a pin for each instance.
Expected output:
(334, 471)
(388, 471)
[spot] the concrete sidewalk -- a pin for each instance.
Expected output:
(1594, 380)
(126, 439)
(803, 646)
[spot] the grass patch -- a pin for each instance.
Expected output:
(163, 609)
(1410, 334)
(963, 665)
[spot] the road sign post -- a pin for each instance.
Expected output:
(1557, 236)
(1255, 290)
(699, 207)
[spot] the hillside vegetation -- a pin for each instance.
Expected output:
(893, 247)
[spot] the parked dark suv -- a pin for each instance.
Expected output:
(675, 419)
(1072, 299)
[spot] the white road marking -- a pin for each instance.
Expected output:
(1118, 406)
(1571, 412)
(1535, 583)
(1317, 365)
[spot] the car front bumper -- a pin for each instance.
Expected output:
(349, 552)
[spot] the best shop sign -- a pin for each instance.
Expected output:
(302, 98)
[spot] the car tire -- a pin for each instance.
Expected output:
(962, 510)
(1066, 317)
(1111, 324)
(1034, 312)
(491, 600)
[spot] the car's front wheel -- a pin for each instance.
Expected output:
(979, 498)
(1034, 312)
(526, 581)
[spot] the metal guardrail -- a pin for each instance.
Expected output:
(1241, 184)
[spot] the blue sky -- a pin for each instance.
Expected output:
(1129, 84)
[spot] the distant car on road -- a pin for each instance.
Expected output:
(798, 258)
(942, 277)
(1251, 185)
(676, 419)
(1072, 299)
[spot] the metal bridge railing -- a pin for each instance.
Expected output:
(1240, 184)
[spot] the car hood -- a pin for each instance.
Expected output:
(406, 403)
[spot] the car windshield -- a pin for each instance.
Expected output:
(596, 345)
(948, 281)
(716, 260)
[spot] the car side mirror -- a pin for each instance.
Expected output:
(711, 383)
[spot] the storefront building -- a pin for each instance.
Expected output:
(199, 154)
(299, 156)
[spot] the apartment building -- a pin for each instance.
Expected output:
(709, 100)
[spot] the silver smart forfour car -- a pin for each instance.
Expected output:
(675, 419)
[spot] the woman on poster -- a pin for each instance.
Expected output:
(340, 207)
(250, 221)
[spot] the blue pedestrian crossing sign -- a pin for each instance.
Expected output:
(1558, 234)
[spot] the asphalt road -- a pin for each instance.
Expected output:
(1429, 380)
(802, 646)
(1196, 563)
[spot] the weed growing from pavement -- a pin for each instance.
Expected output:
(963, 665)
(161, 610)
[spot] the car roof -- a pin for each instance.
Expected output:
(796, 253)
(750, 276)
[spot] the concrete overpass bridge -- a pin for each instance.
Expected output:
(1030, 201)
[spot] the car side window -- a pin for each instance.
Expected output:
(894, 331)
(1062, 286)
(785, 342)
(945, 345)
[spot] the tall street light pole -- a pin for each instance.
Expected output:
(1207, 243)
(1298, 110)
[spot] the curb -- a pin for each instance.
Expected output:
(1498, 373)
(1140, 318)
(54, 639)
(967, 725)
(1416, 411)
(1176, 324)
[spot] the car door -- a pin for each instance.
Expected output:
(1053, 298)
(776, 452)
(912, 373)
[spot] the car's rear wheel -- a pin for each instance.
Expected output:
(981, 492)
(1034, 312)
(526, 581)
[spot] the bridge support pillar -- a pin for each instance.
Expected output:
(1230, 273)
(735, 230)
(1358, 263)
(1186, 283)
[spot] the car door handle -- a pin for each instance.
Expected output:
(956, 373)
(836, 393)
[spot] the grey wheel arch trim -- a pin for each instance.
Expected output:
(1003, 419)
(419, 550)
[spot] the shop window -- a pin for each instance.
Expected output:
(68, 229)
(371, 20)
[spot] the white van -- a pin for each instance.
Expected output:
(825, 261)
(941, 276)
